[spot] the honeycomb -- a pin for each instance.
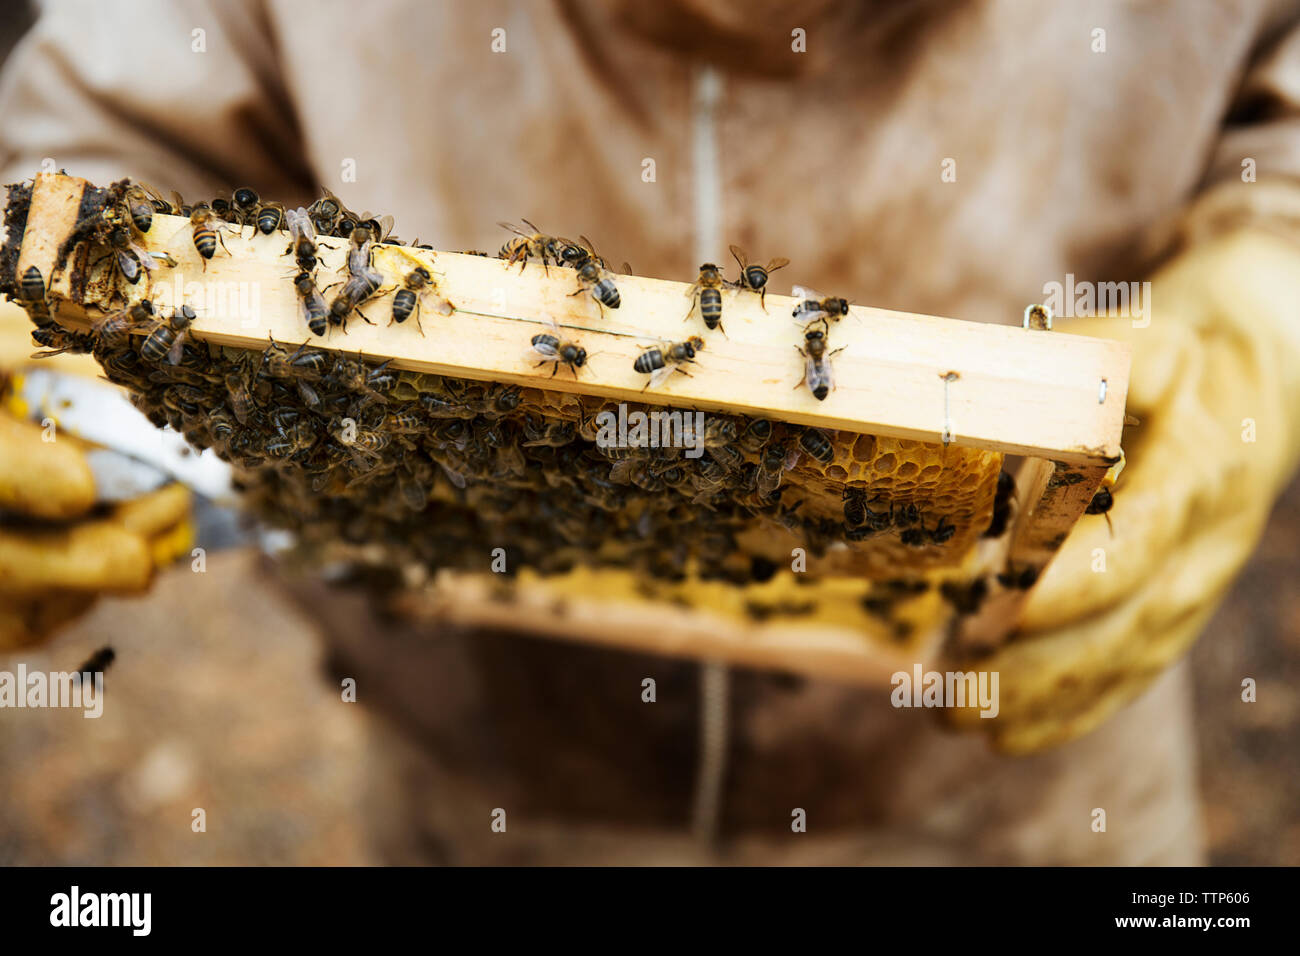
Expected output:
(438, 471)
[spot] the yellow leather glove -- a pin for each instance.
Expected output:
(57, 553)
(1216, 386)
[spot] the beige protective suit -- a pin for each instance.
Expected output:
(942, 158)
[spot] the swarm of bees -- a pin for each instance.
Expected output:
(346, 451)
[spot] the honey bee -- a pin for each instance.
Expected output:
(270, 217)
(813, 306)
(817, 366)
(357, 377)
(129, 257)
(356, 290)
(554, 348)
(412, 490)
(530, 244)
(31, 294)
(773, 463)
(59, 341)
(380, 227)
(140, 206)
(707, 294)
(941, 532)
(575, 254)
(304, 362)
(599, 282)
(1001, 506)
(239, 395)
(179, 207)
(965, 597)
(302, 239)
(417, 284)
(168, 338)
(314, 309)
(292, 441)
(913, 537)
(1018, 578)
(756, 434)
(1104, 498)
(753, 276)
(817, 444)
(114, 330)
(727, 456)
(324, 213)
(31, 287)
(98, 661)
(359, 252)
(244, 204)
(661, 361)
(206, 227)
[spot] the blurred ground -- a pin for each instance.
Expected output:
(217, 700)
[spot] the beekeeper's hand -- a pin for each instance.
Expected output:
(57, 552)
(1216, 386)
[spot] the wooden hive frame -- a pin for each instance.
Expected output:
(1053, 399)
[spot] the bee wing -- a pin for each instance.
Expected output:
(455, 477)
(144, 256)
(809, 371)
(177, 350)
(515, 229)
(806, 292)
(780, 262)
(740, 256)
(385, 228)
(299, 223)
(184, 236)
(542, 350)
(623, 470)
(659, 375)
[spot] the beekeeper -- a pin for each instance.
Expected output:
(954, 159)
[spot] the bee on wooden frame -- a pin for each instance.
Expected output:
(206, 228)
(817, 361)
(302, 241)
(754, 276)
(167, 340)
(1104, 498)
(417, 285)
(314, 309)
(553, 347)
(530, 243)
(707, 294)
(812, 306)
(660, 361)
